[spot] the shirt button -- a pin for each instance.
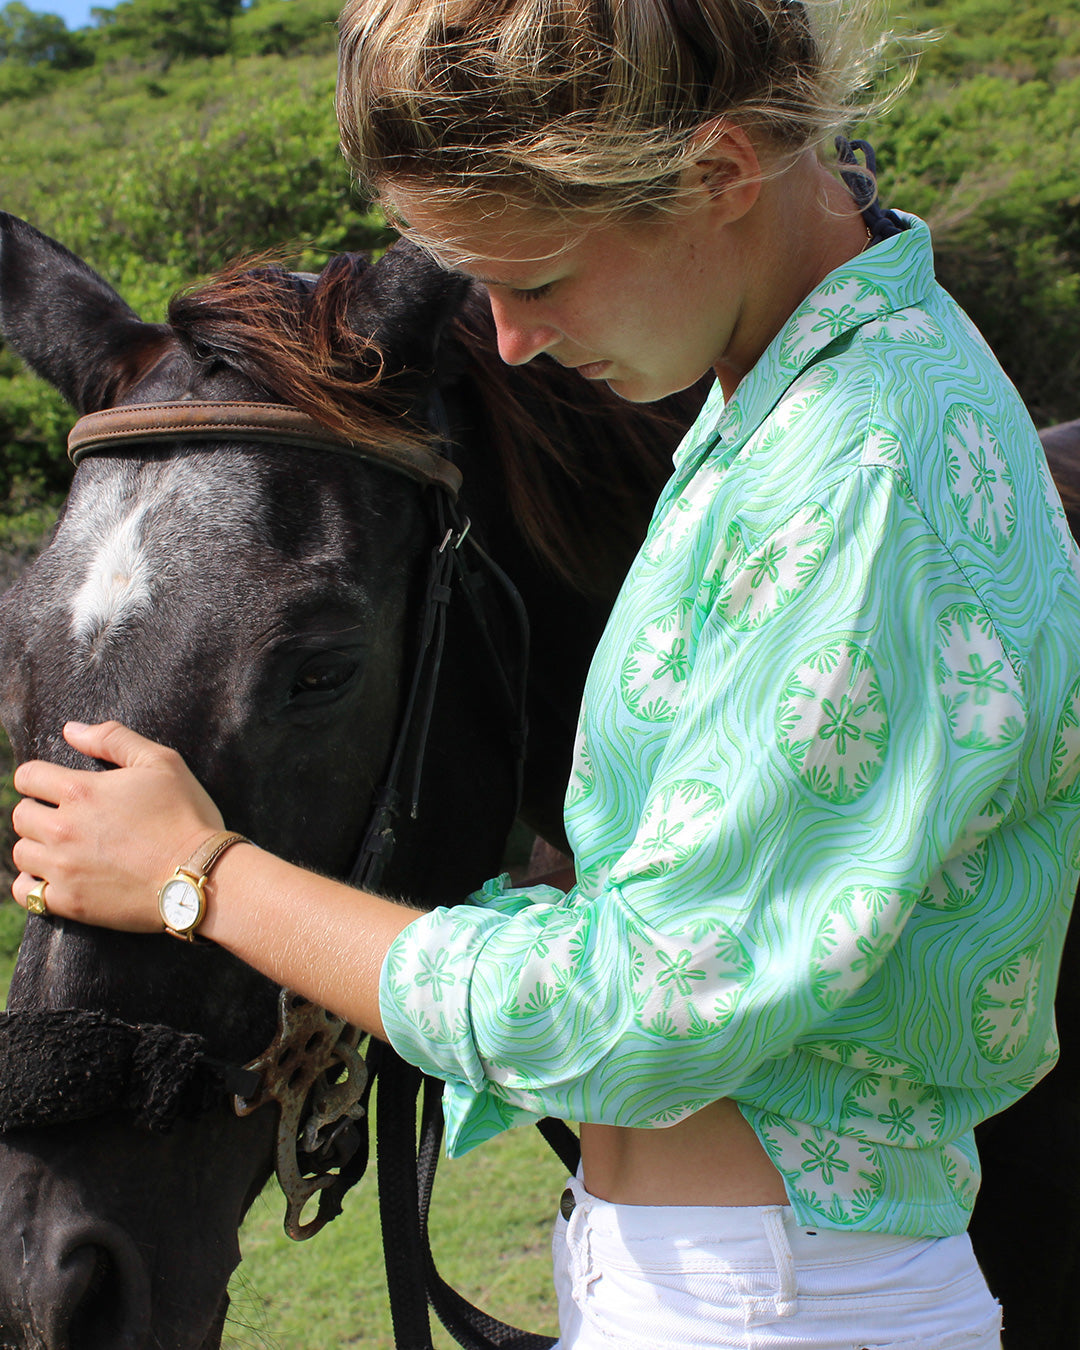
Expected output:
(567, 1203)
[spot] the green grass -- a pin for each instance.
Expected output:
(491, 1232)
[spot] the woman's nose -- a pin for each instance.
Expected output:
(520, 337)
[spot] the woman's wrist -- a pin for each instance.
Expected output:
(308, 932)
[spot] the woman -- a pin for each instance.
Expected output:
(822, 803)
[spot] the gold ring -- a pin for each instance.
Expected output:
(35, 899)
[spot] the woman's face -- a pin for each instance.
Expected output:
(646, 307)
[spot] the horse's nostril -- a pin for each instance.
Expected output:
(101, 1301)
(94, 1316)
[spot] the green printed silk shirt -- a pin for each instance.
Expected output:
(825, 803)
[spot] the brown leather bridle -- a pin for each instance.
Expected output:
(273, 423)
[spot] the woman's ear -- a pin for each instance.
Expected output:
(725, 167)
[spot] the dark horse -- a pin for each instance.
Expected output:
(256, 607)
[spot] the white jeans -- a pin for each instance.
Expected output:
(636, 1277)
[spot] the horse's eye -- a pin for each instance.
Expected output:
(326, 674)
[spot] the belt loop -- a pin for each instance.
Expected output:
(787, 1290)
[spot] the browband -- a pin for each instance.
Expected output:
(274, 422)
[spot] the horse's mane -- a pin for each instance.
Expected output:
(581, 467)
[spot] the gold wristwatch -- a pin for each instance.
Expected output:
(182, 900)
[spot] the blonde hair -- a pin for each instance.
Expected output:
(588, 106)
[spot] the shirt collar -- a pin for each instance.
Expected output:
(892, 275)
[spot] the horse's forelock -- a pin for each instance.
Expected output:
(294, 341)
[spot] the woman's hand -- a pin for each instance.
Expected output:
(105, 842)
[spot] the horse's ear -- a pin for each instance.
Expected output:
(403, 304)
(66, 323)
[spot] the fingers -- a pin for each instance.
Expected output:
(50, 782)
(36, 822)
(114, 743)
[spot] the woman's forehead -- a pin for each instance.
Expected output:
(485, 233)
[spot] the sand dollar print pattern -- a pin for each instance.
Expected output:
(582, 776)
(891, 1111)
(979, 478)
(838, 1175)
(1065, 757)
(856, 934)
(979, 691)
(958, 882)
(961, 1170)
(777, 570)
(686, 985)
(1004, 1006)
(907, 326)
(653, 675)
(834, 308)
(832, 724)
(675, 822)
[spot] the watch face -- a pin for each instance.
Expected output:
(181, 904)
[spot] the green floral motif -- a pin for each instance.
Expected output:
(959, 881)
(824, 1158)
(862, 1057)
(803, 395)
(961, 1171)
(833, 1174)
(547, 968)
(1004, 1006)
(1058, 519)
(856, 934)
(1065, 757)
(673, 825)
(435, 972)
(889, 1110)
(582, 777)
(980, 692)
(905, 326)
(839, 304)
(686, 986)
(653, 675)
(979, 479)
(756, 587)
(883, 447)
(832, 724)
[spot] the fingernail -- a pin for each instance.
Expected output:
(76, 726)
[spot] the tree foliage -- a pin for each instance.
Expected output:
(175, 30)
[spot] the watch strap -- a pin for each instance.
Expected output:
(209, 851)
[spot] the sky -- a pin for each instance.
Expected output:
(75, 13)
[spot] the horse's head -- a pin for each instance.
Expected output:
(256, 606)
(253, 606)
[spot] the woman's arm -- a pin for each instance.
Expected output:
(107, 841)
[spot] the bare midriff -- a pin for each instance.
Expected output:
(711, 1158)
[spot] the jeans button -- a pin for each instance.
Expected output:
(566, 1203)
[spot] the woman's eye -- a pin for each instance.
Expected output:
(535, 294)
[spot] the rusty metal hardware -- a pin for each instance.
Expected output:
(314, 1072)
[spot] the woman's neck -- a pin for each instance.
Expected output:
(803, 226)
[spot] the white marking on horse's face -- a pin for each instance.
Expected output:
(126, 534)
(117, 584)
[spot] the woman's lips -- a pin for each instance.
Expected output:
(593, 370)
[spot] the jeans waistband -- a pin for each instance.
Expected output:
(748, 1233)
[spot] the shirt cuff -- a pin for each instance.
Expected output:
(426, 981)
